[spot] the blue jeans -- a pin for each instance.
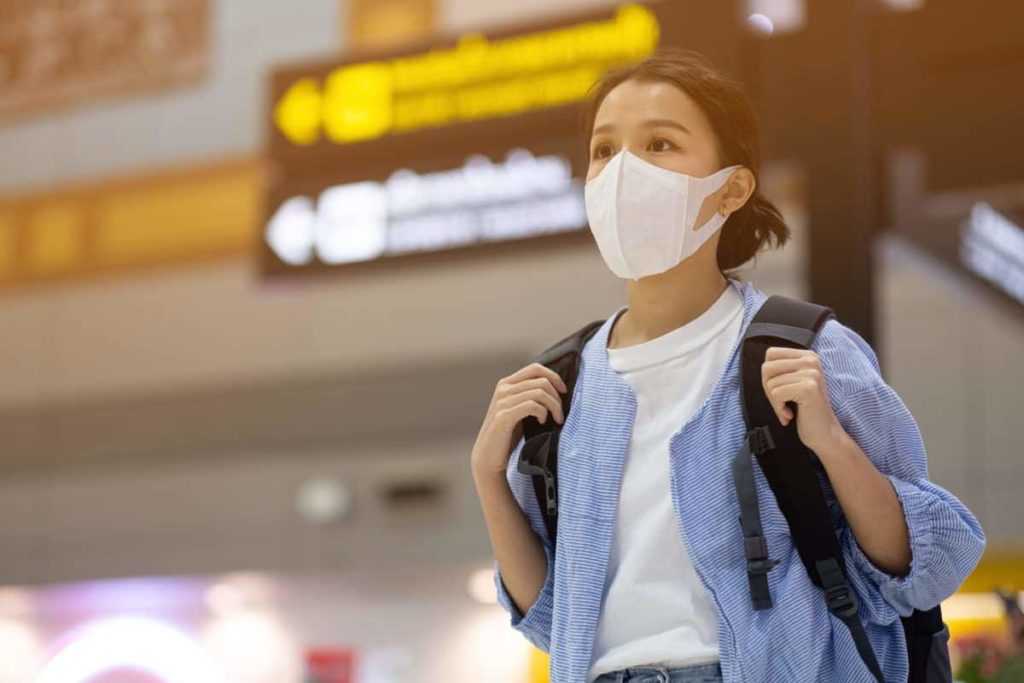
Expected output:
(700, 673)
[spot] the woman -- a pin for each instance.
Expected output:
(649, 580)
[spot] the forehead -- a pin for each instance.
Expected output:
(633, 101)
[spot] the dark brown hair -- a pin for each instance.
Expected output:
(757, 223)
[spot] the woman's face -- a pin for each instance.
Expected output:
(659, 123)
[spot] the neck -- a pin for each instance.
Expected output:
(661, 303)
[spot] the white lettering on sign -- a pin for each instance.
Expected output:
(992, 246)
(523, 196)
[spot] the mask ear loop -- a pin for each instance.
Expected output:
(721, 207)
(695, 212)
(717, 219)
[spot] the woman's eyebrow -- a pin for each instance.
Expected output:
(649, 123)
(655, 123)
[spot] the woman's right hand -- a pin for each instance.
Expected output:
(531, 390)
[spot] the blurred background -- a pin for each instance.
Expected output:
(261, 264)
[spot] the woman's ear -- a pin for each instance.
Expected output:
(737, 190)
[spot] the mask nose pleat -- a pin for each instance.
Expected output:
(621, 198)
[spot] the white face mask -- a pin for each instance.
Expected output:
(642, 216)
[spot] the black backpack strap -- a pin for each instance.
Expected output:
(792, 471)
(788, 465)
(927, 647)
(755, 548)
(539, 456)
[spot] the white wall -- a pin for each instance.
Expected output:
(955, 358)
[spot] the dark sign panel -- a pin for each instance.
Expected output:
(459, 146)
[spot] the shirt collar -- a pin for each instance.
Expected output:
(599, 375)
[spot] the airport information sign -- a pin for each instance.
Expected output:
(453, 148)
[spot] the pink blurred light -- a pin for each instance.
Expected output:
(150, 646)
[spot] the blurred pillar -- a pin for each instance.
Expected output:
(812, 89)
(841, 161)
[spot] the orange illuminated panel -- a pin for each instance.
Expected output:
(55, 238)
(176, 219)
(8, 243)
(172, 217)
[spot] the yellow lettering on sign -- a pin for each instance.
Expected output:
(477, 78)
(55, 239)
(357, 104)
(298, 113)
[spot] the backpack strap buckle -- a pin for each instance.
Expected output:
(755, 548)
(538, 459)
(841, 601)
(760, 440)
(839, 596)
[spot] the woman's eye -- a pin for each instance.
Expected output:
(601, 151)
(660, 145)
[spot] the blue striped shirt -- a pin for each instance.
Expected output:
(798, 639)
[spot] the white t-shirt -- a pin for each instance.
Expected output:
(656, 610)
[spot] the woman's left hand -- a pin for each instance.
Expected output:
(795, 375)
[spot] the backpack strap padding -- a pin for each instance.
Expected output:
(788, 465)
(539, 456)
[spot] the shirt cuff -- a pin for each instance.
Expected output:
(538, 616)
(916, 512)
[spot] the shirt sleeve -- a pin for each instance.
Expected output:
(535, 624)
(946, 540)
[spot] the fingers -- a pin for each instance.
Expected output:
(537, 370)
(542, 383)
(796, 391)
(534, 382)
(538, 389)
(775, 352)
(780, 360)
(515, 412)
(543, 396)
(790, 378)
(786, 374)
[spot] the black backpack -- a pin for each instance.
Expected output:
(797, 486)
